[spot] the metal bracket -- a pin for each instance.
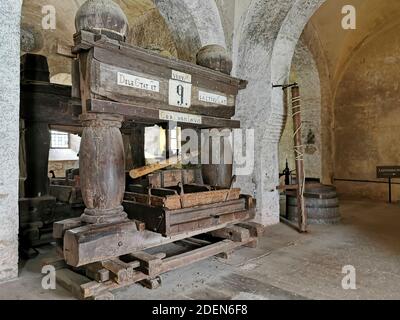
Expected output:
(285, 86)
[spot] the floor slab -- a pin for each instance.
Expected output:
(286, 265)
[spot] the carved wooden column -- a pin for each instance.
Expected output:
(102, 168)
(101, 156)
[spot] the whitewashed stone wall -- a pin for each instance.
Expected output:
(9, 136)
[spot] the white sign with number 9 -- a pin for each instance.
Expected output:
(180, 94)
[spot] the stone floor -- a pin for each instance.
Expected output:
(286, 265)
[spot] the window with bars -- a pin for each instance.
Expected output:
(59, 140)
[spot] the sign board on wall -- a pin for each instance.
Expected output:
(385, 172)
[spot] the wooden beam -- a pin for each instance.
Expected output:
(91, 243)
(193, 256)
(234, 233)
(146, 170)
(139, 113)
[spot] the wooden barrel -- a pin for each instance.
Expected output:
(321, 202)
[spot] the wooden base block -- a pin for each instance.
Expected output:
(234, 233)
(92, 243)
(145, 269)
(152, 284)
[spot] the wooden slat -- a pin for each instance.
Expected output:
(193, 256)
(203, 224)
(206, 211)
(202, 198)
(170, 202)
(171, 178)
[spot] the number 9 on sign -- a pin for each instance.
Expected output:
(180, 94)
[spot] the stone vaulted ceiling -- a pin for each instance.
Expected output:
(39, 41)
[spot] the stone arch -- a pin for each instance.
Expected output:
(193, 24)
(263, 49)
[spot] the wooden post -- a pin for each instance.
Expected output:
(37, 133)
(137, 140)
(299, 156)
(102, 168)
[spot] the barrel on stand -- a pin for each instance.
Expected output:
(321, 202)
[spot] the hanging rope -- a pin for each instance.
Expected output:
(298, 149)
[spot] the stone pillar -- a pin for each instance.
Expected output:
(10, 17)
(102, 168)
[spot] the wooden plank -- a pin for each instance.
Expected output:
(60, 227)
(151, 284)
(71, 281)
(120, 271)
(193, 256)
(203, 224)
(206, 211)
(234, 233)
(256, 230)
(202, 198)
(106, 86)
(149, 264)
(139, 113)
(162, 220)
(154, 218)
(169, 202)
(93, 289)
(140, 172)
(171, 178)
(49, 103)
(97, 272)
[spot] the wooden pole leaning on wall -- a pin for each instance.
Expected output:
(299, 157)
